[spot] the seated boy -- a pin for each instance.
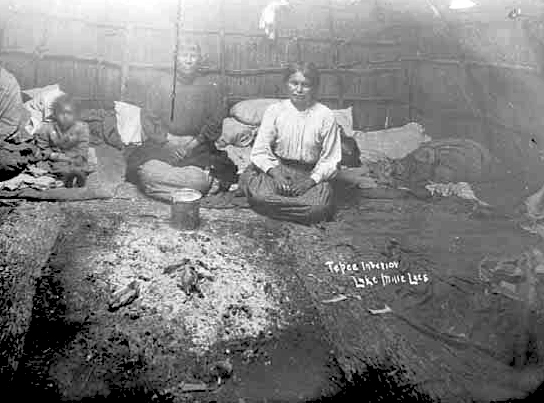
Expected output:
(64, 143)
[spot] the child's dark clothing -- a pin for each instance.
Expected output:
(71, 147)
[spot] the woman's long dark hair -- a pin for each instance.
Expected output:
(307, 69)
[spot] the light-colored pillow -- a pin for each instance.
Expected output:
(344, 117)
(42, 101)
(236, 134)
(251, 111)
(394, 143)
(129, 122)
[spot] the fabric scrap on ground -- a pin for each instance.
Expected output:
(513, 276)
(460, 189)
(535, 205)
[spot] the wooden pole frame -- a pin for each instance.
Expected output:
(336, 57)
(222, 56)
(179, 22)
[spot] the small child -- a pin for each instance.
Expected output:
(64, 143)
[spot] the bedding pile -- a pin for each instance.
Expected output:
(441, 168)
(241, 126)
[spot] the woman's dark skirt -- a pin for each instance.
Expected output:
(316, 205)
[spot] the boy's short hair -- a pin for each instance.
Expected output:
(62, 101)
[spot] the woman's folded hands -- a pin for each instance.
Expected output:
(286, 186)
(302, 186)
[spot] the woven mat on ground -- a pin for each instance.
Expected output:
(426, 314)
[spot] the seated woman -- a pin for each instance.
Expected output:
(296, 152)
(64, 143)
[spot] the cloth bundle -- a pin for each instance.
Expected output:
(240, 128)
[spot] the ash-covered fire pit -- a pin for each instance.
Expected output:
(231, 298)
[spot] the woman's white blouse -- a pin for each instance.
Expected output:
(311, 136)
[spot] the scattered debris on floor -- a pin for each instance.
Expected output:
(380, 311)
(339, 298)
(124, 296)
(221, 370)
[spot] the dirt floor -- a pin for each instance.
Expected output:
(254, 313)
(264, 308)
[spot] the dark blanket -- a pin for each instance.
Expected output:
(102, 127)
(14, 158)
